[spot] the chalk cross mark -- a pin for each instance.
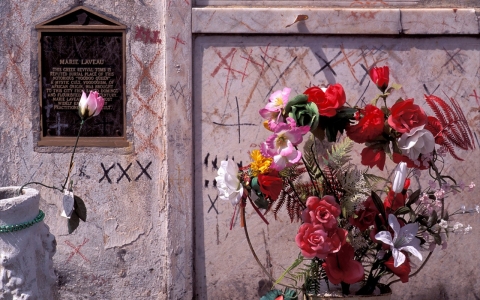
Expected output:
(327, 64)
(76, 250)
(212, 204)
(238, 124)
(124, 172)
(105, 173)
(144, 171)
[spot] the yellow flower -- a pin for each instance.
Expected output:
(260, 163)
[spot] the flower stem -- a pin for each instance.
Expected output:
(255, 255)
(34, 182)
(73, 154)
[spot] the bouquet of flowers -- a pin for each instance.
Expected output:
(352, 231)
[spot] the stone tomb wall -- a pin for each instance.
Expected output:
(137, 243)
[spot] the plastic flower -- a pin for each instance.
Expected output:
(341, 266)
(303, 112)
(380, 76)
(403, 240)
(400, 176)
(281, 145)
(260, 163)
(274, 107)
(228, 184)
(90, 106)
(417, 141)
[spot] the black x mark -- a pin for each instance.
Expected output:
(327, 64)
(124, 172)
(105, 173)
(212, 204)
(144, 170)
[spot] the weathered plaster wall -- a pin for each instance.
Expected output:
(121, 251)
(233, 78)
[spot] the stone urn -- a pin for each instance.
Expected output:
(26, 247)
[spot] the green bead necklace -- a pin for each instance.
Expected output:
(17, 227)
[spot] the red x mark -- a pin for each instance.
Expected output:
(76, 250)
(146, 71)
(266, 54)
(476, 97)
(249, 59)
(178, 40)
(223, 60)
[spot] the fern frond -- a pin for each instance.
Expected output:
(339, 155)
(454, 130)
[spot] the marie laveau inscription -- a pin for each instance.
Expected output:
(76, 75)
(81, 50)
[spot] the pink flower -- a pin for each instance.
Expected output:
(324, 211)
(274, 107)
(314, 241)
(281, 145)
(91, 106)
(341, 267)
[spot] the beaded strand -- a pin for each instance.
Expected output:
(17, 227)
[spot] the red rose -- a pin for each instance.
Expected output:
(373, 157)
(380, 77)
(405, 115)
(270, 184)
(315, 241)
(329, 101)
(366, 216)
(369, 127)
(341, 267)
(324, 211)
(402, 270)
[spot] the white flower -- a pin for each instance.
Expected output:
(457, 226)
(477, 208)
(404, 240)
(443, 224)
(417, 141)
(400, 176)
(463, 209)
(228, 184)
(468, 229)
(471, 185)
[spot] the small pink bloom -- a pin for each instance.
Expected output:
(91, 106)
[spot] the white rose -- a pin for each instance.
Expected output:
(400, 174)
(228, 184)
(417, 141)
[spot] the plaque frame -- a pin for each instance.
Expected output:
(108, 26)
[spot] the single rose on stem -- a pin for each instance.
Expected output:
(380, 76)
(90, 106)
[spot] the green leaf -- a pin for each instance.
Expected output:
(79, 208)
(379, 205)
(396, 86)
(402, 210)
(437, 238)
(295, 264)
(432, 220)
(413, 198)
(73, 222)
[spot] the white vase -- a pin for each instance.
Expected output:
(26, 247)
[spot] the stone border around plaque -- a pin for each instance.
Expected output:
(81, 50)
